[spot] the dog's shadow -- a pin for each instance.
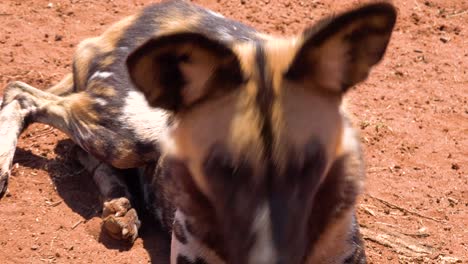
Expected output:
(79, 192)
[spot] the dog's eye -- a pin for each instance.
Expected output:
(223, 171)
(184, 57)
(219, 165)
(305, 168)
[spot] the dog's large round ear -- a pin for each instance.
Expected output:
(178, 70)
(340, 51)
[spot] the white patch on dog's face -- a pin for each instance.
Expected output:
(100, 101)
(148, 123)
(263, 251)
(101, 75)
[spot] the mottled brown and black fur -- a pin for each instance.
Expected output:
(244, 149)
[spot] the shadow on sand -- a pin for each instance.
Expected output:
(79, 192)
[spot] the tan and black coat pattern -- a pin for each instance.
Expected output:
(245, 151)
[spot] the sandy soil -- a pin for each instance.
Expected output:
(412, 114)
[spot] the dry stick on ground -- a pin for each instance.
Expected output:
(458, 14)
(400, 244)
(393, 206)
(76, 224)
(53, 204)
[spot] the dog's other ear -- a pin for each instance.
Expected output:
(339, 52)
(178, 70)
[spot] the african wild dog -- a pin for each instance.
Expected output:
(245, 150)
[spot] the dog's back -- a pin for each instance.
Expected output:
(99, 69)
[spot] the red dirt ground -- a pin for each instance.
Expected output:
(412, 114)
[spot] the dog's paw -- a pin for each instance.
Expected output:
(120, 221)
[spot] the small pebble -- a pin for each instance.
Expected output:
(444, 39)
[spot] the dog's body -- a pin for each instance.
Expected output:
(245, 151)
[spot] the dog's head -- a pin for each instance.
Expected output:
(257, 125)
